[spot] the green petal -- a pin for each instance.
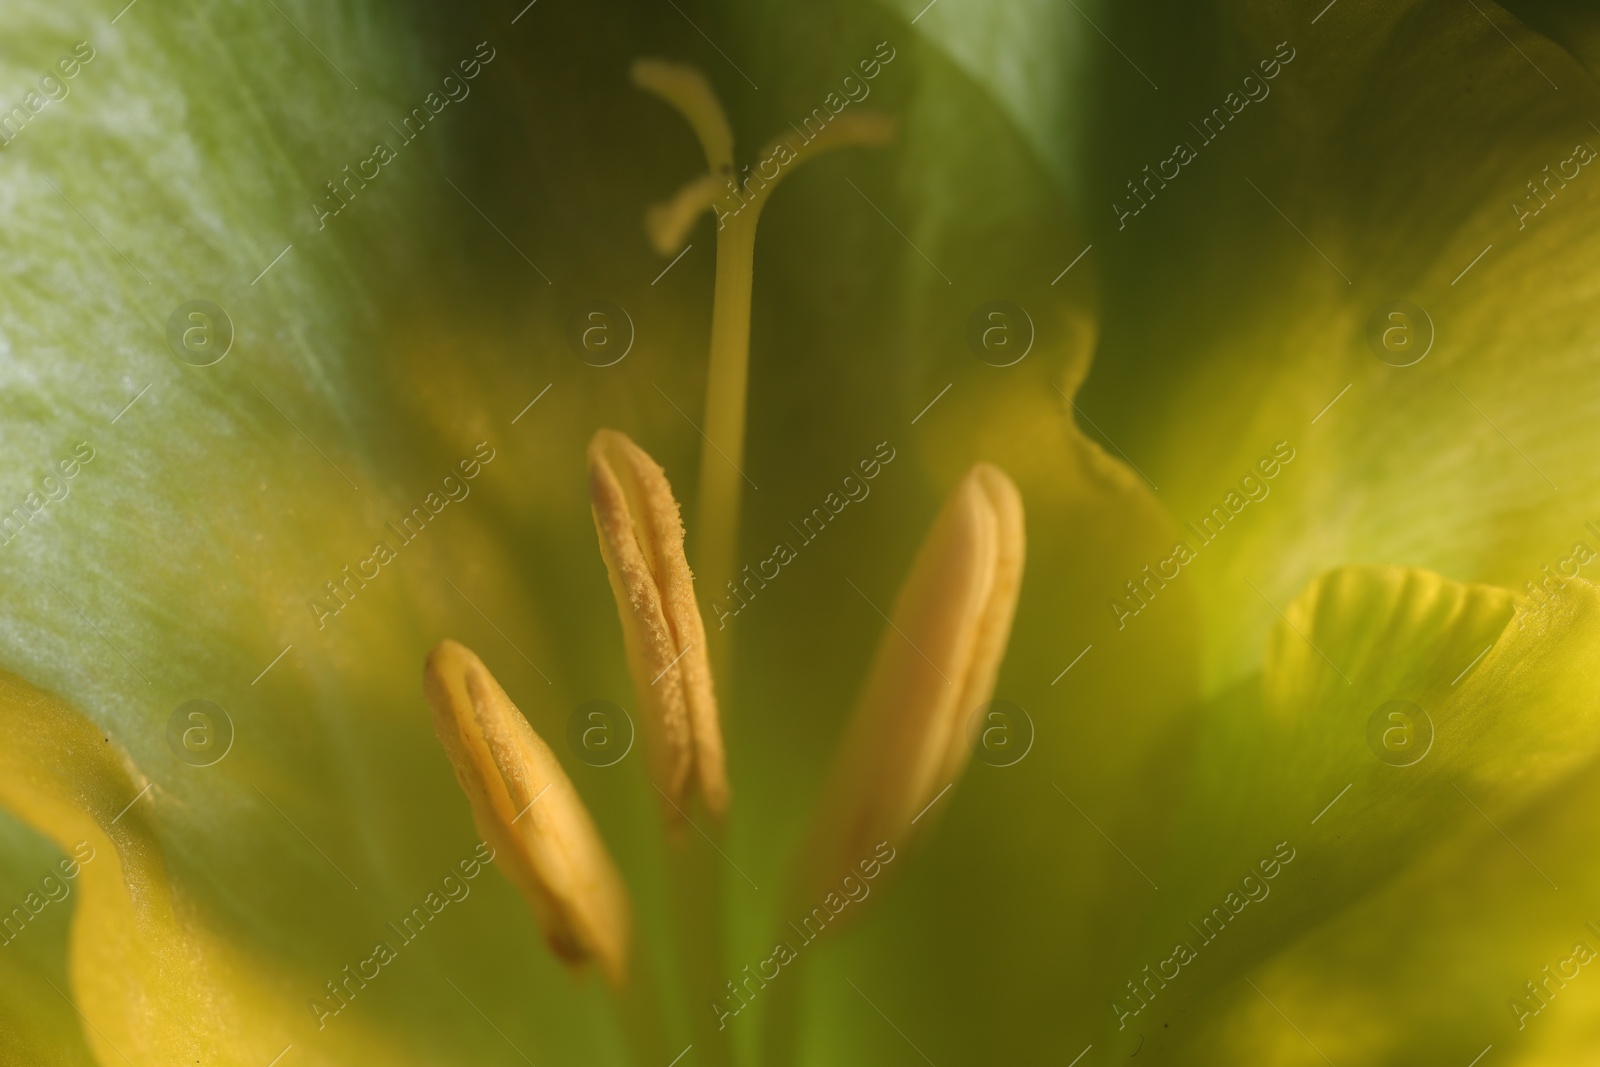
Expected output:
(180, 563)
(1471, 924)
(1303, 765)
(1031, 58)
(39, 1024)
(1383, 165)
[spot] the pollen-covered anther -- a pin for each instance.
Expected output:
(641, 539)
(934, 668)
(526, 808)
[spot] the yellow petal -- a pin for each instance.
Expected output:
(150, 981)
(641, 538)
(1499, 712)
(1473, 924)
(525, 806)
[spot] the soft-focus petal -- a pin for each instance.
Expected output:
(1469, 926)
(150, 980)
(1291, 764)
(1380, 163)
(184, 559)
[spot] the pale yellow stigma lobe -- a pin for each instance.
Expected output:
(641, 539)
(687, 90)
(525, 806)
(668, 223)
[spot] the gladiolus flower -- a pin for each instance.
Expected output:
(1109, 573)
